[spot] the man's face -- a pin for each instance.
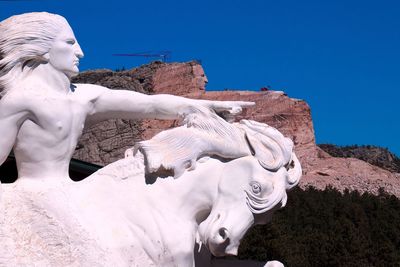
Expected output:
(201, 78)
(65, 53)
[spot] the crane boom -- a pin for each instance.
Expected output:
(164, 55)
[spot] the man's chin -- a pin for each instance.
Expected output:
(71, 74)
(74, 74)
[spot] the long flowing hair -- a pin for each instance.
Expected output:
(24, 40)
(205, 134)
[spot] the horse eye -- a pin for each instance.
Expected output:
(255, 187)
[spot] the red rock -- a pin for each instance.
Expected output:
(106, 142)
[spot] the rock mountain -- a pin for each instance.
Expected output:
(106, 142)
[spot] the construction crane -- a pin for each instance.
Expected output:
(163, 55)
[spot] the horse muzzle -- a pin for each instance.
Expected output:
(220, 243)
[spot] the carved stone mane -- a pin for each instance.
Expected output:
(179, 148)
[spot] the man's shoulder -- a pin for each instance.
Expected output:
(17, 98)
(83, 92)
(87, 90)
(14, 102)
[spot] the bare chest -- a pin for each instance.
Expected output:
(60, 116)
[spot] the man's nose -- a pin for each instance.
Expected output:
(78, 51)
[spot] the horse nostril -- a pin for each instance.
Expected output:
(223, 232)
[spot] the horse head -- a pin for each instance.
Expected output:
(259, 166)
(250, 188)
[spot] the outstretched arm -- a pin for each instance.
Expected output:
(127, 104)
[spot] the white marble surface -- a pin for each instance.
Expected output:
(124, 214)
(115, 217)
(42, 114)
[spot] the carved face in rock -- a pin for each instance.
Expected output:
(65, 52)
(247, 195)
(201, 78)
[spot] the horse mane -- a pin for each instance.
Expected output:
(206, 134)
(272, 149)
(202, 134)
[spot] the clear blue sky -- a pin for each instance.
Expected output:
(342, 57)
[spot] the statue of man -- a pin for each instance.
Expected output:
(42, 114)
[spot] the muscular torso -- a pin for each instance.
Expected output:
(45, 142)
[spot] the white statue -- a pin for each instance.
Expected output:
(115, 218)
(42, 114)
(230, 176)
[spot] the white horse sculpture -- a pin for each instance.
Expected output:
(115, 218)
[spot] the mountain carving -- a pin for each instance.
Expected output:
(106, 142)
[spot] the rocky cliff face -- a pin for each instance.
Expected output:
(107, 141)
(377, 156)
(157, 77)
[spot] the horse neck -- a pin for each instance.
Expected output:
(191, 195)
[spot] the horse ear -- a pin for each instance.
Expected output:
(264, 151)
(294, 172)
(267, 144)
